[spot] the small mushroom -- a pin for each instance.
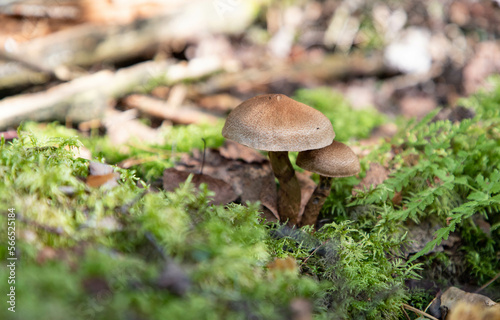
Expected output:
(278, 124)
(334, 161)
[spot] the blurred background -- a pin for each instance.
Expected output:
(182, 62)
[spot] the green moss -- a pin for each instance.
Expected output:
(222, 250)
(347, 122)
(106, 268)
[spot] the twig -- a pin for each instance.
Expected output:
(406, 314)
(420, 312)
(430, 303)
(488, 283)
(314, 251)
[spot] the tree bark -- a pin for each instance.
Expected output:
(289, 191)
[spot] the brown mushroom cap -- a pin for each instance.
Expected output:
(336, 160)
(274, 122)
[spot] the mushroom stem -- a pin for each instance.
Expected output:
(315, 203)
(289, 192)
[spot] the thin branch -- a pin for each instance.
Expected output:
(406, 314)
(488, 283)
(408, 307)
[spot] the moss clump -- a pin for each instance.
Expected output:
(85, 253)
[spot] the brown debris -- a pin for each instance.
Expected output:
(375, 175)
(235, 151)
(455, 114)
(301, 309)
(219, 102)
(224, 193)
(457, 304)
(417, 106)
(283, 265)
(101, 174)
(250, 181)
(307, 187)
(109, 180)
(422, 233)
(163, 110)
(484, 63)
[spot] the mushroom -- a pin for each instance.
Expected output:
(278, 124)
(334, 161)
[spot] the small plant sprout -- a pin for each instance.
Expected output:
(334, 161)
(278, 124)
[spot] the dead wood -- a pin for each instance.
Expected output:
(87, 97)
(176, 113)
(89, 44)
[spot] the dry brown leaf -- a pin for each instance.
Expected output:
(247, 179)
(269, 200)
(283, 265)
(101, 174)
(376, 175)
(235, 151)
(307, 187)
(224, 193)
(109, 180)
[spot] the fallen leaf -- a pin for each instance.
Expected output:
(235, 151)
(307, 187)
(109, 180)
(280, 265)
(269, 199)
(224, 193)
(247, 179)
(375, 175)
(101, 174)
